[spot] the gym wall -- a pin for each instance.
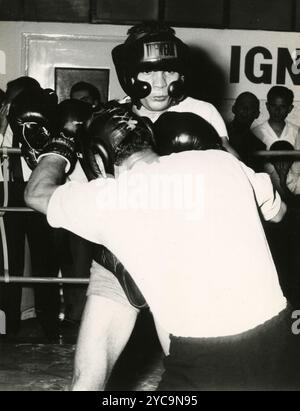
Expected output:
(230, 60)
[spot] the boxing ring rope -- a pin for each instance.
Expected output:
(277, 153)
(10, 150)
(6, 151)
(6, 278)
(16, 210)
(5, 203)
(45, 280)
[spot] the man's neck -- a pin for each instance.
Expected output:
(143, 112)
(240, 126)
(277, 127)
(146, 156)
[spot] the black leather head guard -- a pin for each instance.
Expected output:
(151, 52)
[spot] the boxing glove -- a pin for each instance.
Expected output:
(71, 122)
(30, 117)
(114, 133)
(175, 132)
(108, 260)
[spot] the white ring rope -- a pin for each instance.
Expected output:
(5, 166)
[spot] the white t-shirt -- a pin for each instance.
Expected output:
(191, 105)
(188, 231)
(6, 141)
(268, 136)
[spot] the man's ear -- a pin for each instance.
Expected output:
(257, 114)
(233, 109)
(291, 107)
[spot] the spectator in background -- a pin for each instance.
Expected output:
(241, 138)
(277, 128)
(279, 105)
(88, 93)
(18, 225)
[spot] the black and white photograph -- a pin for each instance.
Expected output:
(149, 198)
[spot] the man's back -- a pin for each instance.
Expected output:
(206, 256)
(188, 231)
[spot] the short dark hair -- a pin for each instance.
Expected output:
(83, 85)
(281, 91)
(20, 84)
(281, 145)
(24, 82)
(172, 124)
(247, 94)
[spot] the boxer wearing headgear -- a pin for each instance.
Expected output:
(153, 67)
(150, 51)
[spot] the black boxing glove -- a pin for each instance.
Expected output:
(30, 117)
(113, 134)
(108, 260)
(175, 132)
(72, 119)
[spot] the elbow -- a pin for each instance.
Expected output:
(29, 197)
(33, 199)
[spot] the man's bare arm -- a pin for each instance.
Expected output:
(44, 180)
